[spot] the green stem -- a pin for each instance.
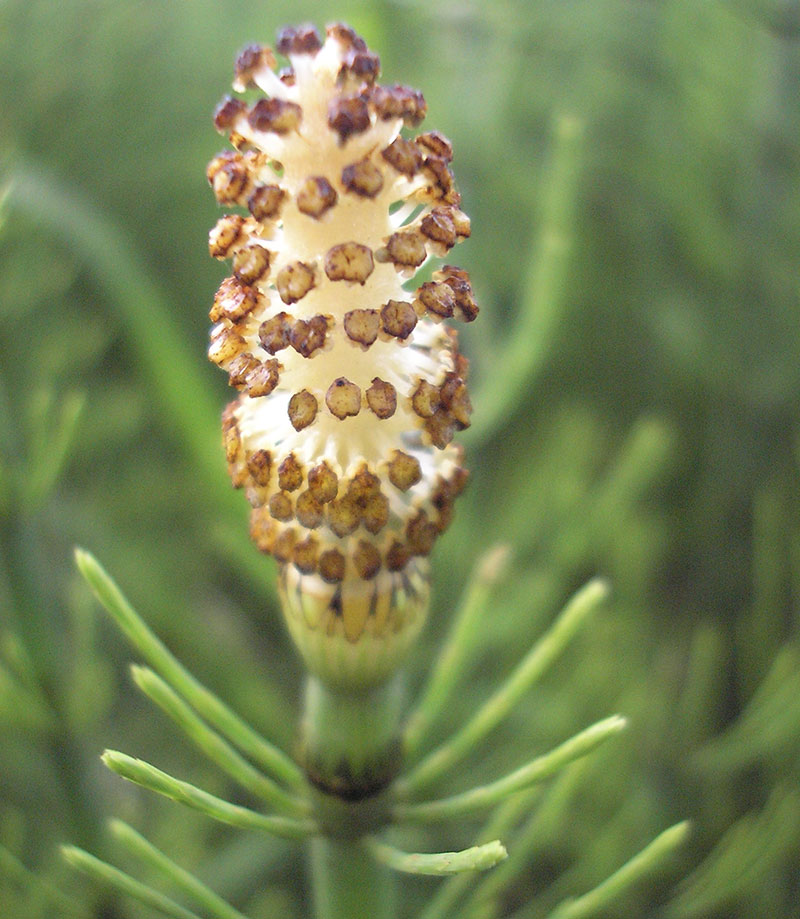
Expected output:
(124, 883)
(13, 871)
(348, 883)
(351, 752)
(527, 347)
(351, 739)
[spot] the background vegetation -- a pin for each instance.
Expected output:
(632, 170)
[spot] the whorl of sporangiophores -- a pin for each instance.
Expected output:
(351, 384)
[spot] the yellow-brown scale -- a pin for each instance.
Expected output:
(351, 388)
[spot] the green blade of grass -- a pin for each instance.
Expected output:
(525, 348)
(180, 388)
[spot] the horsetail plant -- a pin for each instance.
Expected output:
(351, 389)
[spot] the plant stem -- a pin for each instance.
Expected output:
(179, 878)
(348, 883)
(108, 874)
(351, 751)
(351, 740)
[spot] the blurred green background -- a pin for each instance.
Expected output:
(632, 170)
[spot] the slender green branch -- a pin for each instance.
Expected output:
(194, 888)
(496, 708)
(642, 864)
(214, 746)
(477, 858)
(453, 655)
(107, 874)
(537, 770)
(142, 773)
(545, 807)
(12, 868)
(201, 699)
(499, 824)
(535, 835)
